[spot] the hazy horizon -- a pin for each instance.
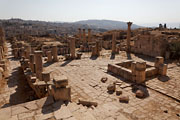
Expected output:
(140, 12)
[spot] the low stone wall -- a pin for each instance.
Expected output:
(138, 71)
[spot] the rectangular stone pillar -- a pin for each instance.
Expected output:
(39, 64)
(72, 48)
(54, 53)
(49, 56)
(140, 72)
(32, 63)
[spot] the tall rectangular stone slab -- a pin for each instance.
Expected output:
(49, 56)
(39, 64)
(54, 53)
(72, 48)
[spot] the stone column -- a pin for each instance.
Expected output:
(39, 64)
(89, 35)
(80, 35)
(128, 35)
(28, 51)
(32, 62)
(84, 36)
(140, 72)
(54, 53)
(49, 56)
(97, 48)
(114, 43)
(160, 66)
(72, 48)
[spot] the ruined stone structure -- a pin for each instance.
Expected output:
(138, 71)
(150, 45)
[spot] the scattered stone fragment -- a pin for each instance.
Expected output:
(104, 79)
(111, 87)
(87, 103)
(124, 99)
(140, 94)
(165, 111)
(118, 91)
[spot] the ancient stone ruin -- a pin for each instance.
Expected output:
(118, 74)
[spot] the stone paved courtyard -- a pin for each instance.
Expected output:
(162, 103)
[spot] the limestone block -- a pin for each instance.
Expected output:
(133, 66)
(46, 76)
(60, 81)
(158, 61)
(49, 56)
(124, 99)
(140, 66)
(61, 93)
(151, 71)
(118, 90)
(111, 88)
(140, 76)
(163, 69)
(87, 103)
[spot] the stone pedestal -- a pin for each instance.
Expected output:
(39, 64)
(54, 53)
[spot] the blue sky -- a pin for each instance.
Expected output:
(142, 12)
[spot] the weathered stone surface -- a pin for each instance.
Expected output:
(62, 113)
(60, 81)
(87, 103)
(124, 99)
(61, 93)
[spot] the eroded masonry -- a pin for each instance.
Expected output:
(118, 75)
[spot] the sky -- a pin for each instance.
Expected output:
(141, 12)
